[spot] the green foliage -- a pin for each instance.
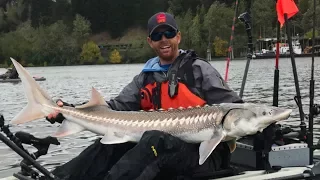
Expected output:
(197, 43)
(15, 44)
(91, 54)
(115, 57)
(5, 65)
(218, 20)
(43, 32)
(140, 51)
(81, 27)
(220, 47)
(264, 16)
(185, 23)
(3, 22)
(55, 43)
(309, 34)
(35, 45)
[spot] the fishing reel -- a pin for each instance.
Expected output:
(244, 17)
(316, 110)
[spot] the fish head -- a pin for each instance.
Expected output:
(266, 115)
(247, 118)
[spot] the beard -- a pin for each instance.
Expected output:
(167, 52)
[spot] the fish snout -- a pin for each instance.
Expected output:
(283, 114)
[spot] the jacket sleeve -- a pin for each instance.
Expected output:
(214, 89)
(129, 97)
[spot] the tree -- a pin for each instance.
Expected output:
(184, 23)
(196, 39)
(3, 22)
(115, 57)
(55, 43)
(12, 16)
(81, 28)
(218, 21)
(220, 46)
(90, 54)
(264, 16)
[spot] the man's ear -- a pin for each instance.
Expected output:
(179, 37)
(150, 42)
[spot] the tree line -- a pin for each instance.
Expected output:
(69, 32)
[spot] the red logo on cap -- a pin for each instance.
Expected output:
(161, 18)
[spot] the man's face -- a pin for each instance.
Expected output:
(164, 40)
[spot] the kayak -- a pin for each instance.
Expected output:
(19, 80)
(292, 171)
(284, 173)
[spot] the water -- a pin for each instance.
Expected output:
(73, 84)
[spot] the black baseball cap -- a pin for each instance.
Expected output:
(160, 19)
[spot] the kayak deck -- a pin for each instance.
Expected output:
(283, 174)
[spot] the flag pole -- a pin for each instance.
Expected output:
(276, 70)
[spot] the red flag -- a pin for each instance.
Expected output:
(286, 6)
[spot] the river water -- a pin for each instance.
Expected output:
(73, 84)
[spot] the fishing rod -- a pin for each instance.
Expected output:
(231, 41)
(313, 109)
(15, 143)
(261, 147)
(297, 98)
(246, 18)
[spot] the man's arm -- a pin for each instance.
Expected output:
(129, 98)
(215, 90)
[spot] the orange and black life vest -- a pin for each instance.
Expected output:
(175, 91)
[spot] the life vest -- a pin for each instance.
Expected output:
(175, 91)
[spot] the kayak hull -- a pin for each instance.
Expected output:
(19, 80)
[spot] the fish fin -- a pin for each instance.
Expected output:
(206, 147)
(28, 113)
(96, 99)
(113, 137)
(35, 95)
(232, 145)
(68, 128)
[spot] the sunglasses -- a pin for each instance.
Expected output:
(157, 36)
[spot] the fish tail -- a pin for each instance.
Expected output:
(36, 97)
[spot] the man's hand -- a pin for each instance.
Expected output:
(56, 116)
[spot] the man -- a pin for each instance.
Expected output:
(172, 79)
(10, 74)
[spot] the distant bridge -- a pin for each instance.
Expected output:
(120, 47)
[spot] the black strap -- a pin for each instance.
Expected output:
(185, 73)
(156, 96)
(173, 76)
